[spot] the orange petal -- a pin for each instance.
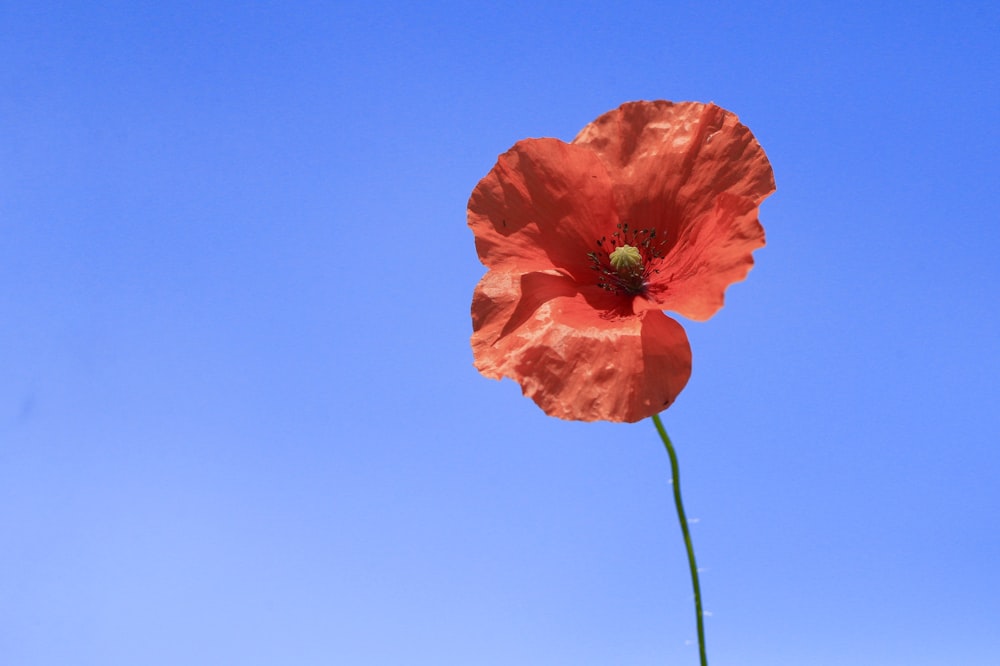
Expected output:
(711, 253)
(696, 175)
(543, 206)
(573, 352)
(686, 151)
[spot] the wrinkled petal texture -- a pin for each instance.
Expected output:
(697, 176)
(572, 353)
(689, 171)
(541, 207)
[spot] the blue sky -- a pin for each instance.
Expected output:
(239, 422)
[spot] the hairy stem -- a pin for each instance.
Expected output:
(675, 471)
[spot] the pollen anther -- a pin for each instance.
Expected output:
(625, 263)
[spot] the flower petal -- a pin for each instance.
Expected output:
(709, 255)
(542, 206)
(573, 352)
(696, 175)
(685, 152)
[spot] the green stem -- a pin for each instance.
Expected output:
(675, 470)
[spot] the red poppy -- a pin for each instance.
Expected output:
(652, 207)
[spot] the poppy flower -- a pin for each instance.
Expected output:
(652, 207)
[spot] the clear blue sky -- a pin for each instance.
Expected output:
(239, 422)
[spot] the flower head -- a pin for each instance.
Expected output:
(652, 207)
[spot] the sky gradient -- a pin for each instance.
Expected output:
(239, 421)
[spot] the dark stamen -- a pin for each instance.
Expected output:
(632, 281)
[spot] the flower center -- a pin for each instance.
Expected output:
(625, 261)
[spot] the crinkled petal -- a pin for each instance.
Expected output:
(573, 352)
(711, 253)
(543, 206)
(696, 175)
(683, 154)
